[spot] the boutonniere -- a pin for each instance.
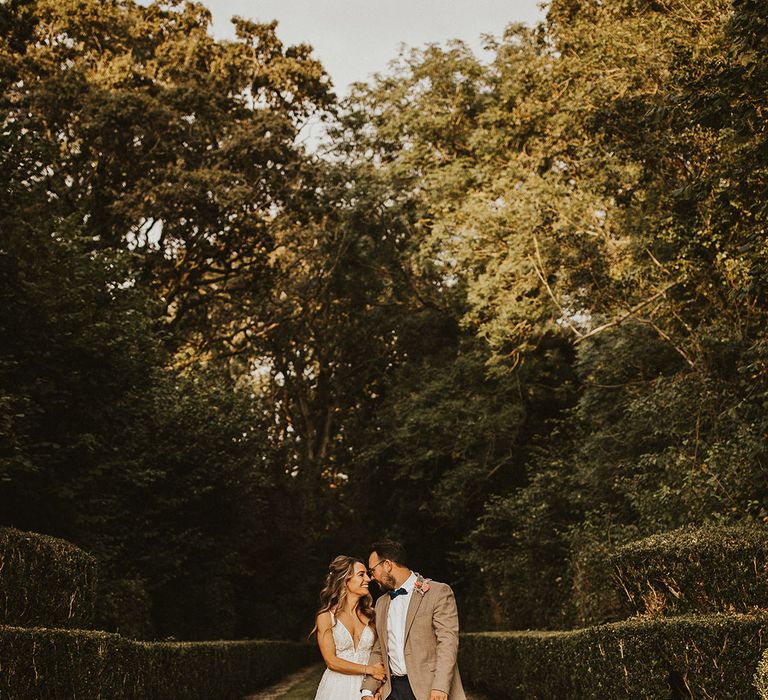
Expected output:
(421, 585)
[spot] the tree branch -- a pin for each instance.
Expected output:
(629, 312)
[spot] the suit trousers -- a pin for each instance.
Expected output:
(401, 689)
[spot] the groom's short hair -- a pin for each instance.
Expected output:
(389, 549)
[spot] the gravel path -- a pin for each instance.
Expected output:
(302, 686)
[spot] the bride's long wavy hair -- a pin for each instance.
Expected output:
(334, 593)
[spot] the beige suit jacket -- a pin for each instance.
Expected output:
(431, 643)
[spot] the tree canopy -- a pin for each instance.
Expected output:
(513, 313)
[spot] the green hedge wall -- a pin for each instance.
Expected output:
(705, 656)
(761, 677)
(51, 664)
(703, 570)
(45, 581)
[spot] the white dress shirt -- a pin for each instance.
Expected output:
(398, 610)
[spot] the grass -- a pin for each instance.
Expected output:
(305, 689)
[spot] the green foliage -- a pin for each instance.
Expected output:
(159, 139)
(695, 570)
(142, 161)
(98, 436)
(54, 663)
(45, 581)
(643, 659)
(516, 317)
(637, 121)
(761, 676)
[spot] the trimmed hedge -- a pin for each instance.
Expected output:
(761, 677)
(706, 656)
(45, 581)
(704, 570)
(54, 664)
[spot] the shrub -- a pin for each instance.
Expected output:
(707, 656)
(125, 606)
(53, 664)
(761, 677)
(45, 581)
(704, 570)
(594, 596)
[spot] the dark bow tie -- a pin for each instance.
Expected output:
(397, 592)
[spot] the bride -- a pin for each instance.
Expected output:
(345, 630)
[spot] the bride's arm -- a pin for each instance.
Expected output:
(328, 650)
(372, 684)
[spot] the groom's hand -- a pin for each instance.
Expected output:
(437, 695)
(377, 671)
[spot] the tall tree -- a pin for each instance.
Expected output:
(143, 165)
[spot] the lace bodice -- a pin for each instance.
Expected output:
(345, 646)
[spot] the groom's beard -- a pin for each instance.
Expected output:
(387, 583)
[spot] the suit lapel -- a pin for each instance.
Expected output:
(381, 623)
(413, 608)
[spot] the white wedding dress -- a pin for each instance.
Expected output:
(342, 686)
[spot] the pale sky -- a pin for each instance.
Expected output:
(356, 38)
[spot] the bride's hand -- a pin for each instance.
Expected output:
(377, 671)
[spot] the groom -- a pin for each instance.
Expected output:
(417, 629)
